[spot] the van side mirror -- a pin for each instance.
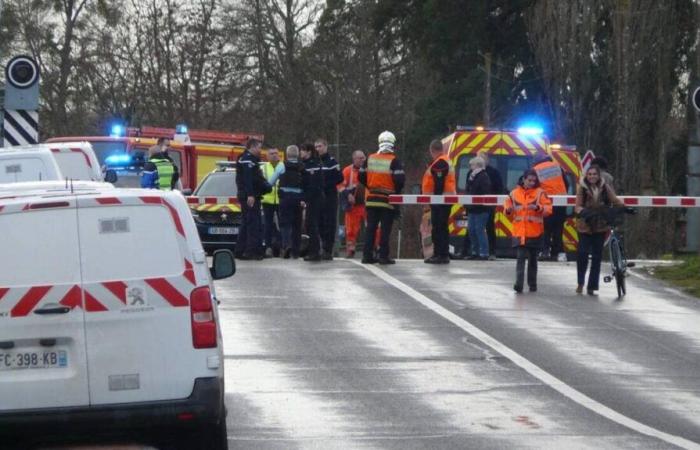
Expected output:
(187, 192)
(111, 176)
(223, 265)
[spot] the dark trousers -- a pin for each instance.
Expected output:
(249, 237)
(272, 233)
(378, 216)
(553, 229)
(290, 224)
(439, 216)
(328, 222)
(313, 214)
(529, 254)
(589, 244)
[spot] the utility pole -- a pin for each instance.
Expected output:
(487, 90)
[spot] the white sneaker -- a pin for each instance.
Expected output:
(562, 257)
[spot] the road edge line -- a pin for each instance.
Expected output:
(530, 367)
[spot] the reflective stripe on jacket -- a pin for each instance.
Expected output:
(527, 223)
(551, 177)
(272, 197)
(428, 184)
(380, 181)
(166, 170)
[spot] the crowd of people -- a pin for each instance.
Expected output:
(280, 200)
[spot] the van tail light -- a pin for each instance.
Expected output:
(202, 314)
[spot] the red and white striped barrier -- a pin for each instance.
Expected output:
(557, 200)
(212, 200)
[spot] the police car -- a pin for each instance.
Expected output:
(108, 320)
(215, 208)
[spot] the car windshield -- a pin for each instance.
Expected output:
(219, 184)
(103, 149)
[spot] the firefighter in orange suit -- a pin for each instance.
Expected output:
(553, 182)
(439, 179)
(352, 200)
(383, 175)
(527, 206)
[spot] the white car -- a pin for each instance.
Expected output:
(28, 163)
(108, 320)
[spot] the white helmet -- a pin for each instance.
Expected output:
(386, 140)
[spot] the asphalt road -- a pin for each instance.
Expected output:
(339, 355)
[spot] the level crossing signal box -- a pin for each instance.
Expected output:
(21, 102)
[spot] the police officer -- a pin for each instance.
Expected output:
(312, 185)
(251, 186)
(553, 182)
(271, 204)
(328, 221)
(439, 179)
(291, 194)
(160, 172)
(383, 175)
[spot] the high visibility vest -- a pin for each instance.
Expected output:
(166, 170)
(272, 197)
(380, 181)
(551, 177)
(527, 223)
(428, 184)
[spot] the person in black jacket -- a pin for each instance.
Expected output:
(478, 183)
(312, 185)
(497, 188)
(251, 186)
(328, 221)
(291, 193)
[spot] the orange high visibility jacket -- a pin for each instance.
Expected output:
(527, 223)
(551, 177)
(428, 184)
(380, 181)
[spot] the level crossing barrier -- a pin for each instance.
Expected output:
(557, 200)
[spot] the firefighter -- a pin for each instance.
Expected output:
(527, 205)
(439, 179)
(553, 182)
(291, 194)
(328, 220)
(160, 172)
(352, 199)
(251, 185)
(271, 204)
(312, 185)
(383, 175)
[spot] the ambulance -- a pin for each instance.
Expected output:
(511, 151)
(108, 320)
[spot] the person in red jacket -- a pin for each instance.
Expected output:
(527, 206)
(352, 200)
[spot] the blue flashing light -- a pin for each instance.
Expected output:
(121, 159)
(117, 130)
(531, 130)
(181, 129)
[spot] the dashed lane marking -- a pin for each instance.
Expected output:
(534, 370)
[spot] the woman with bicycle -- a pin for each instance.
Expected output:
(594, 198)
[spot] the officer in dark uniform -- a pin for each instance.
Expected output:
(332, 176)
(291, 194)
(251, 187)
(312, 184)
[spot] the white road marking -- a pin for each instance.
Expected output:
(530, 367)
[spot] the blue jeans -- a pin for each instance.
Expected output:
(590, 244)
(477, 233)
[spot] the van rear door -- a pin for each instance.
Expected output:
(43, 361)
(26, 168)
(137, 284)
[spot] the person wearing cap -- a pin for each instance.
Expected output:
(383, 175)
(553, 182)
(439, 179)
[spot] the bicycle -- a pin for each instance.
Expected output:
(618, 259)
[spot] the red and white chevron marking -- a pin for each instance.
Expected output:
(212, 200)
(73, 150)
(557, 200)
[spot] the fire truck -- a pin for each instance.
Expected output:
(195, 152)
(510, 152)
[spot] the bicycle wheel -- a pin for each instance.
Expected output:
(618, 269)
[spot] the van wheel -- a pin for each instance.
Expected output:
(215, 437)
(205, 437)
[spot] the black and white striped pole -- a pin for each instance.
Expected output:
(21, 118)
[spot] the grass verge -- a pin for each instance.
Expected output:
(685, 275)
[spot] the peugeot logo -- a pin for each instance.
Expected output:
(224, 217)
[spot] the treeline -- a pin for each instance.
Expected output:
(609, 75)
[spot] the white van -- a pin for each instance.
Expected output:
(77, 160)
(28, 163)
(108, 321)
